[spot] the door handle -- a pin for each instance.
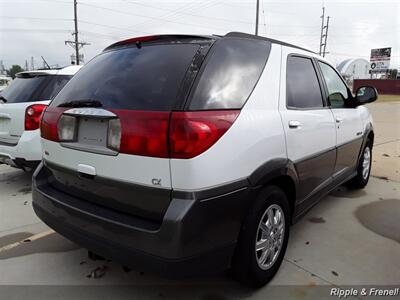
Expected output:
(294, 124)
(339, 120)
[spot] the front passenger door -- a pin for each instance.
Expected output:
(349, 126)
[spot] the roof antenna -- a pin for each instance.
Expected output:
(138, 44)
(45, 62)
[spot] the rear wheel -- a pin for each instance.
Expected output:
(263, 238)
(363, 168)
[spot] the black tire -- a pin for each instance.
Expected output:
(245, 267)
(360, 181)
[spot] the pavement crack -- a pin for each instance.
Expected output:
(387, 142)
(311, 273)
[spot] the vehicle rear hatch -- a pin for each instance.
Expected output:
(105, 134)
(27, 89)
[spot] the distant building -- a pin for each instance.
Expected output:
(354, 68)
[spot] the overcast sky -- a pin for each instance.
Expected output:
(40, 27)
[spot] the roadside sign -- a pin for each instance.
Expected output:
(380, 59)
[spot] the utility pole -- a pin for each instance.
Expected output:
(76, 44)
(322, 30)
(257, 13)
(32, 63)
(324, 34)
(326, 37)
(76, 32)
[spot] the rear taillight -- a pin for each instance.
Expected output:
(179, 135)
(144, 132)
(66, 129)
(33, 113)
(114, 134)
(173, 135)
(48, 125)
(192, 133)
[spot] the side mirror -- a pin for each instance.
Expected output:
(366, 94)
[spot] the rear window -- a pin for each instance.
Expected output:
(54, 86)
(145, 78)
(230, 74)
(37, 88)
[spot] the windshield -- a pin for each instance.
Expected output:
(144, 78)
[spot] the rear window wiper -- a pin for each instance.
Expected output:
(4, 100)
(81, 103)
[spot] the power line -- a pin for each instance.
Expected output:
(35, 18)
(191, 6)
(113, 27)
(192, 15)
(223, 19)
(172, 13)
(33, 30)
(153, 18)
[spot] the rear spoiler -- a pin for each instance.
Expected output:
(28, 74)
(163, 37)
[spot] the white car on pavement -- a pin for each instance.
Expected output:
(21, 107)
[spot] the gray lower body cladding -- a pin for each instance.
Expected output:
(196, 235)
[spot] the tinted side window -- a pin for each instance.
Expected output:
(336, 88)
(230, 74)
(302, 87)
(145, 78)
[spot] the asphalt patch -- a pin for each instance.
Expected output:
(381, 217)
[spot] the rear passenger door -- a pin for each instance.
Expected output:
(349, 126)
(308, 123)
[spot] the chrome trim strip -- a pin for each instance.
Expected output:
(90, 112)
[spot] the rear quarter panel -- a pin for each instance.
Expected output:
(256, 137)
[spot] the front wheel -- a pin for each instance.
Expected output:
(363, 168)
(263, 239)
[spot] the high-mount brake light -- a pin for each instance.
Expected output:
(140, 39)
(33, 113)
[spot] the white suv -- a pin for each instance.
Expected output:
(21, 106)
(194, 154)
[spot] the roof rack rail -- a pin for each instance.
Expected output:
(257, 37)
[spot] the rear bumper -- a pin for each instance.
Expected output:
(26, 153)
(196, 236)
